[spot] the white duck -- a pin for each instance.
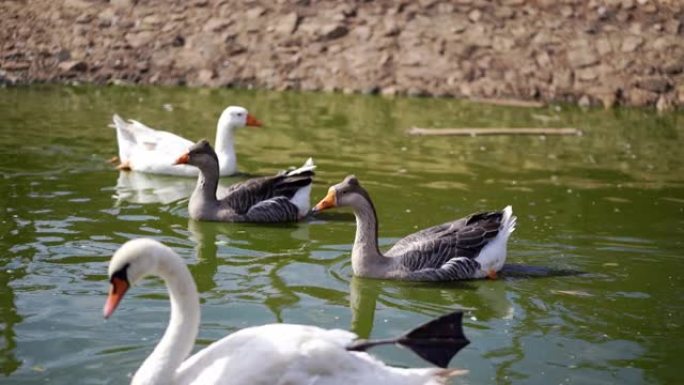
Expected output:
(144, 149)
(269, 354)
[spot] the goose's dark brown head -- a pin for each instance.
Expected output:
(200, 154)
(349, 192)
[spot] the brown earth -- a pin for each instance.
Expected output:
(628, 52)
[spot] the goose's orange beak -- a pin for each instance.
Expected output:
(329, 201)
(252, 121)
(183, 159)
(116, 293)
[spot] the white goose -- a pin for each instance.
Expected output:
(269, 354)
(144, 149)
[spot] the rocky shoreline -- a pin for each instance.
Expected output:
(590, 52)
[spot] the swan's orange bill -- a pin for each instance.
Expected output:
(252, 121)
(116, 293)
(183, 159)
(329, 201)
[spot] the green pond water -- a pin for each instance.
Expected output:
(593, 293)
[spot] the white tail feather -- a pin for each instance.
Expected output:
(301, 199)
(307, 166)
(508, 221)
(124, 139)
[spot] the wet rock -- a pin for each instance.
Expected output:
(641, 98)
(659, 84)
(389, 91)
(584, 101)
(665, 103)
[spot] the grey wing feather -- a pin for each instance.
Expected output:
(439, 245)
(242, 196)
(278, 209)
(454, 269)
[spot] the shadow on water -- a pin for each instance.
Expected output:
(492, 299)
(521, 271)
(333, 216)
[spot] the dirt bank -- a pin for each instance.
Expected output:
(609, 52)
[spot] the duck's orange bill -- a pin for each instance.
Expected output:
(116, 293)
(252, 121)
(329, 201)
(183, 159)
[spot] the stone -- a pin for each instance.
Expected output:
(84, 18)
(475, 15)
(502, 44)
(603, 46)
(503, 12)
(641, 98)
(673, 67)
(204, 76)
(659, 84)
(587, 74)
(73, 66)
(216, 24)
(582, 57)
(673, 26)
(82, 4)
(255, 12)
(665, 103)
(543, 59)
(562, 79)
(584, 102)
(16, 66)
(567, 11)
(631, 43)
(122, 3)
(333, 31)
(287, 25)
(139, 39)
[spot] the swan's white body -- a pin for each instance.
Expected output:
(269, 355)
(144, 149)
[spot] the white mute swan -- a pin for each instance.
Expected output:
(144, 149)
(269, 354)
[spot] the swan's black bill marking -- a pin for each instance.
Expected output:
(436, 341)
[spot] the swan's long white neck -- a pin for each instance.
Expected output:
(225, 149)
(176, 344)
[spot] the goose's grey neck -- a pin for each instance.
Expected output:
(366, 257)
(176, 344)
(203, 198)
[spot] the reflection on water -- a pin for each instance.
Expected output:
(139, 187)
(592, 292)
